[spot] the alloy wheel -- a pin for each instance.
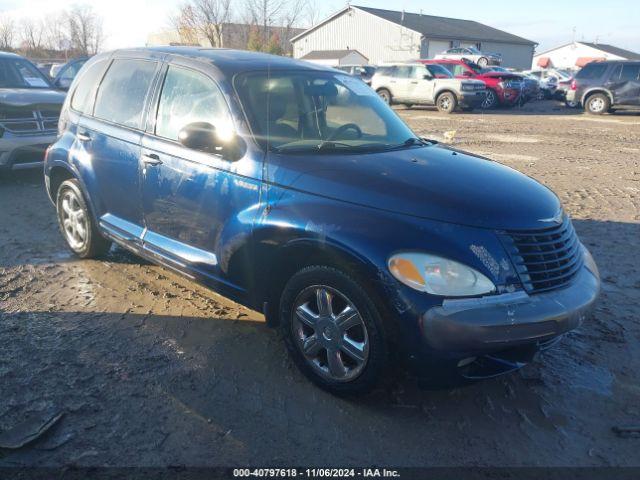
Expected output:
(596, 104)
(74, 220)
(330, 333)
(489, 99)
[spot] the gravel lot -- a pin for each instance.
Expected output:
(151, 369)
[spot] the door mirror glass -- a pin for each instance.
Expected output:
(204, 137)
(426, 76)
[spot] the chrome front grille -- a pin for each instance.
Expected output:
(545, 259)
(29, 120)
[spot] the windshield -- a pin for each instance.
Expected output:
(18, 73)
(310, 111)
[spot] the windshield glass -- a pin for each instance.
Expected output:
(311, 111)
(474, 50)
(18, 73)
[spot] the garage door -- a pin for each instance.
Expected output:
(438, 46)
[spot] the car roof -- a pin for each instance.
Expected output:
(226, 60)
(9, 55)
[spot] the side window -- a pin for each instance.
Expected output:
(187, 97)
(592, 71)
(82, 100)
(123, 91)
(630, 73)
(458, 70)
(403, 72)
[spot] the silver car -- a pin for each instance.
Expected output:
(29, 111)
(420, 84)
(483, 59)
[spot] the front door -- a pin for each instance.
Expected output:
(421, 86)
(198, 207)
(624, 84)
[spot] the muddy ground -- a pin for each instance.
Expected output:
(151, 369)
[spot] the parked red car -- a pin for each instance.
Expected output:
(503, 88)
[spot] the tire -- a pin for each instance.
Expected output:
(446, 102)
(483, 62)
(76, 222)
(385, 95)
(348, 360)
(491, 100)
(597, 104)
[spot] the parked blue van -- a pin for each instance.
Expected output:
(293, 189)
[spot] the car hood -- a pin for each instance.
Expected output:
(21, 97)
(431, 182)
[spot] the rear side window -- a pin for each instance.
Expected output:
(188, 97)
(123, 91)
(592, 71)
(82, 100)
(403, 72)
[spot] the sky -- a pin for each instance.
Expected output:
(548, 22)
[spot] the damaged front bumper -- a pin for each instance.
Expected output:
(496, 334)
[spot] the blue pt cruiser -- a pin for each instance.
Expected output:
(294, 190)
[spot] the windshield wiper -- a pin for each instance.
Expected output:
(330, 144)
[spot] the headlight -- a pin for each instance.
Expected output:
(438, 276)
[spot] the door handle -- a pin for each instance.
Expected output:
(83, 137)
(415, 82)
(151, 159)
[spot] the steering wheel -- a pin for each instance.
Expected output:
(343, 128)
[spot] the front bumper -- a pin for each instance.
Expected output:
(472, 99)
(24, 151)
(477, 326)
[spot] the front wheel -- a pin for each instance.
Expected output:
(491, 100)
(76, 222)
(483, 62)
(446, 102)
(385, 95)
(333, 331)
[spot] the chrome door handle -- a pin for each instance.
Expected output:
(151, 159)
(83, 137)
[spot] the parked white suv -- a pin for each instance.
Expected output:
(420, 84)
(483, 59)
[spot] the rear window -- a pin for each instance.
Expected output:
(122, 93)
(592, 71)
(82, 100)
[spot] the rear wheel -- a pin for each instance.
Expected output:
(483, 62)
(76, 222)
(446, 102)
(385, 95)
(333, 331)
(597, 104)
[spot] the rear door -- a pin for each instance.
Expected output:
(401, 82)
(624, 84)
(111, 139)
(197, 206)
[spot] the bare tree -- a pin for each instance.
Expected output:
(32, 35)
(57, 34)
(265, 13)
(294, 12)
(203, 19)
(7, 32)
(84, 30)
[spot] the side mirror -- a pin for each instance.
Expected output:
(204, 137)
(427, 77)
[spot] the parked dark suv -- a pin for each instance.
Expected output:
(601, 87)
(293, 189)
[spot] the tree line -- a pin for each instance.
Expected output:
(269, 23)
(77, 31)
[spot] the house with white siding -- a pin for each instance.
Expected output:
(576, 55)
(386, 36)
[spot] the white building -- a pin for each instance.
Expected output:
(335, 58)
(578, 54)
(385, 36)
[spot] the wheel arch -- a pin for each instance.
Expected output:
(59, 172)
(595, 90)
